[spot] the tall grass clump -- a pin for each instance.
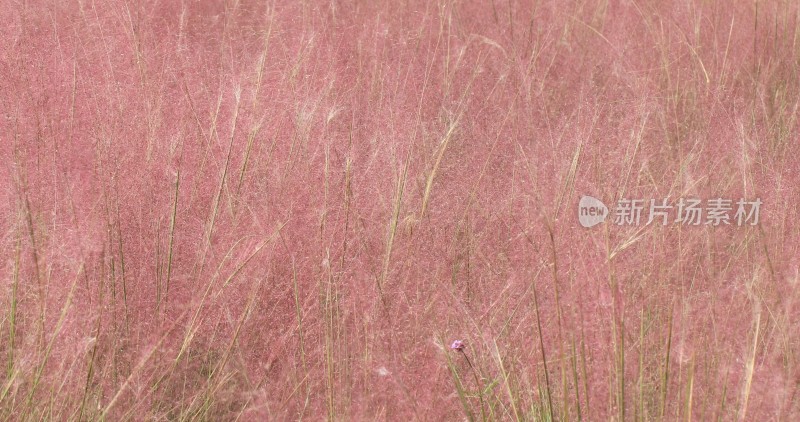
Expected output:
(283, 210)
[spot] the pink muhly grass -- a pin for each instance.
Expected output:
(238, 210)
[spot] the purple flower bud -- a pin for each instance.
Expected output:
(458, 345)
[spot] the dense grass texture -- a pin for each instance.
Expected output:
(290, 210)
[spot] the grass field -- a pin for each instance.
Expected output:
(290, 210)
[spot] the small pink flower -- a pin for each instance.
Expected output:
(458, 345)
